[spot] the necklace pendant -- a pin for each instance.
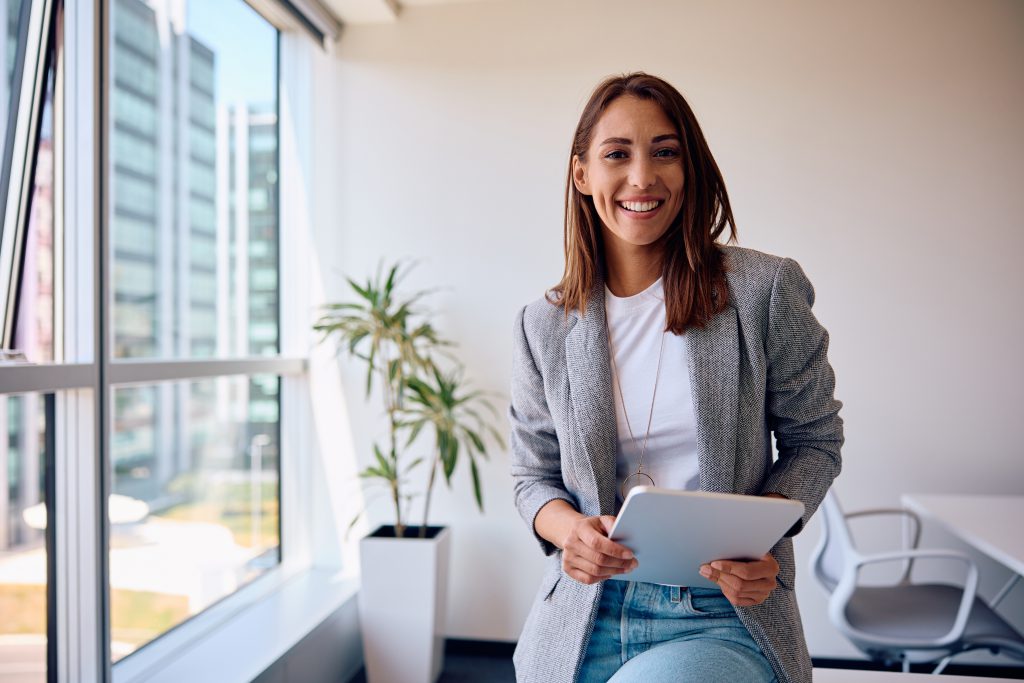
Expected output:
(638, 478)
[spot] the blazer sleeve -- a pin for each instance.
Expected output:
(535, 456)
(802, 410)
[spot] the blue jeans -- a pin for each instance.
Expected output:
(653, 634)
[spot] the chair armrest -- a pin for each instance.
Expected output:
(892, 511)
(874, 512)
(848, 584)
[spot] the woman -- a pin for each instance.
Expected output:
(662, 355)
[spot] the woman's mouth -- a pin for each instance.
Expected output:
(641, 209)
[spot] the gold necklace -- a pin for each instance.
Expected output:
(639, 474)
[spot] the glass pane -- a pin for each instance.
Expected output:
(33, 330)
(23, 558)
(10, 10)
(194, 508)
(194, 221)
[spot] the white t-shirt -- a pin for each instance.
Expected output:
(637, 324)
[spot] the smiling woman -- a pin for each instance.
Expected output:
(705, 348)
(635, 182)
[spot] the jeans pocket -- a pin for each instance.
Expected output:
(709, 602)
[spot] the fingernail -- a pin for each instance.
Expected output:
(705, 571)
(629, 556)
(717, 565)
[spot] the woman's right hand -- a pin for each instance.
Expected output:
(589, 556)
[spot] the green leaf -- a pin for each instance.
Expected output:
(361, 291)
(369, 377)
(476, 484)
(450, 459)
(413, 464)
(354, 340)
(352, 524)
(391, 279)
(477, 441)
(417, 426)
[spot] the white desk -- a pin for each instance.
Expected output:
(992, 524)
(854, 676)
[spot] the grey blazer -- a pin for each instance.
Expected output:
(760, 365)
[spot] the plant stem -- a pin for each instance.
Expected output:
(430, 489)
(389, 402)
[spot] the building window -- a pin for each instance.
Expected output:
(194, 149)
(194, 464)
(194, 507)
(24, 555)
(141, 443)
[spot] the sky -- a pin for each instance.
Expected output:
(245, 45)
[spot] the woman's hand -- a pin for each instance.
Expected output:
(589, 556)
(744, 583)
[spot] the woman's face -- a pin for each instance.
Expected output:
(633, 171)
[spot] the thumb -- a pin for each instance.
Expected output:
(607, 521)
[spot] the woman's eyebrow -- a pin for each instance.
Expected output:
(627, 141)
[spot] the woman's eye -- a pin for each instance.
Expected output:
(617, 154)
(667, 153)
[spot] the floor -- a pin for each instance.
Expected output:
(467, 662)
(469, 668)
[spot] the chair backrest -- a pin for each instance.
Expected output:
(835, 549)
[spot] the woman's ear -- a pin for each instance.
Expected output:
(579, 175)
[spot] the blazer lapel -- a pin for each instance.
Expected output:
(590, 387)
(714, 362)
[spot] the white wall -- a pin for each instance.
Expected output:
(877, 143)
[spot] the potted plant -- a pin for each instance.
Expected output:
(404, 568)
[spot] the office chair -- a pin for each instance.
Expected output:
(904, 622)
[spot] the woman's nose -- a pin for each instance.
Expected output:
(641, 173)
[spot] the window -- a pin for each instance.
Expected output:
(34, 326)
(194, 499)
(195, 264)
(193, 463)
(142, 435)
(27, 264)
(25, 452)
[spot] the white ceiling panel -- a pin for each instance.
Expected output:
(378, 11)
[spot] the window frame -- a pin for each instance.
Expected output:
(28, 89)
(83, 372)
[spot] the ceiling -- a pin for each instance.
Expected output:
(377, 11)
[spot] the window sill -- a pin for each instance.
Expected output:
(244, 644)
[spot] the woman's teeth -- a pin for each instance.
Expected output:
(640, 207)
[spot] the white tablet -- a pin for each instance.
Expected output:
(672, 533)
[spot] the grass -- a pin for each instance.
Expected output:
(23, 608)
(137, 616)
(230, 506)
(140, 616)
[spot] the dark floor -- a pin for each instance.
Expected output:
(479, 662)
(469, 669)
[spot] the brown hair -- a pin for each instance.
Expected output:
(693, 270)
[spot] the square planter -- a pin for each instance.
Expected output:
(402, 600)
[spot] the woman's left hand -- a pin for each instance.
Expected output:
(744, 583)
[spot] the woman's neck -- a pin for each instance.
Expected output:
(632, 270)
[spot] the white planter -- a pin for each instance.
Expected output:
(402, 599)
